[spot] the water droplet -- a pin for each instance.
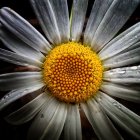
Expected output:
(114, 103)
(6, 96)
(134, 68)
(111, 72)
(119, 106)
(122, 72)
(4, 103)
(25, 90)
(2, 99)
(99, 99)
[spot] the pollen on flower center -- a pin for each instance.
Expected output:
(72, 72)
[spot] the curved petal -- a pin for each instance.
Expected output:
(60, 9)
(46, 16)
(121, 92)
(123, 75)
(51, 121)
(72, 127)
(126, 39)
(16, 94)
(78, 14)
(126, 58)
(99, 121)
(18, 59)
(17, 80)
(28, 111)
(123, 117)
(98, 11)
(18, 46)
(113, 16)
(23, 30)
(56, 124)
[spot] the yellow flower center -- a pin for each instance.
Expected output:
(72, 72)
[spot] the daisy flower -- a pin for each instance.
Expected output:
(77, 67)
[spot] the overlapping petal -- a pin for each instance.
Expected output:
(123, 41)
(106, 19)
(54, 19)
(72, 127)
(60, 9)
(18, 46)
(123, 117)
(28, 111)
(23, 30)
(125, 58)
(16, 80)
(78, 14)
(125, 75)
(101, 124)
(51, 119)
(18, 59)
(18, 93)
(121, 91)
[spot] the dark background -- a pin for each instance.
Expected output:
(8, 131)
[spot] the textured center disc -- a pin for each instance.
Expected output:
(72, 72)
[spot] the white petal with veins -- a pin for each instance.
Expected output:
(46, 16)
(122, 116)
(119, 91)
(51, 118)
(125, 58)
(123, 75)
(28, 111)
(18, 93)
(18, 59)
(23, 30)
(78, 14)
(123, 41)
(18, 80)
(72, 128)
(101, 124)
(114, 14)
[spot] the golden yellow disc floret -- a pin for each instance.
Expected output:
(72, 72)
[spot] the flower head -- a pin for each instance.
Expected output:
(77, 68)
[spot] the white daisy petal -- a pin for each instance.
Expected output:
(28, 111)
(120, 91)
(126, 39)
(72, 127)
(43, 119)
(98, 11)
(14, 58)
(56, 124)
(78, 13)
(46, 16)
(18, 46)
(17, 80)
(123, 75)
(51, 119)
(60, 9)
(16, 94)
(125, 58)
(123, 117)
(23, 30)
(99, 121)
(110, 19)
